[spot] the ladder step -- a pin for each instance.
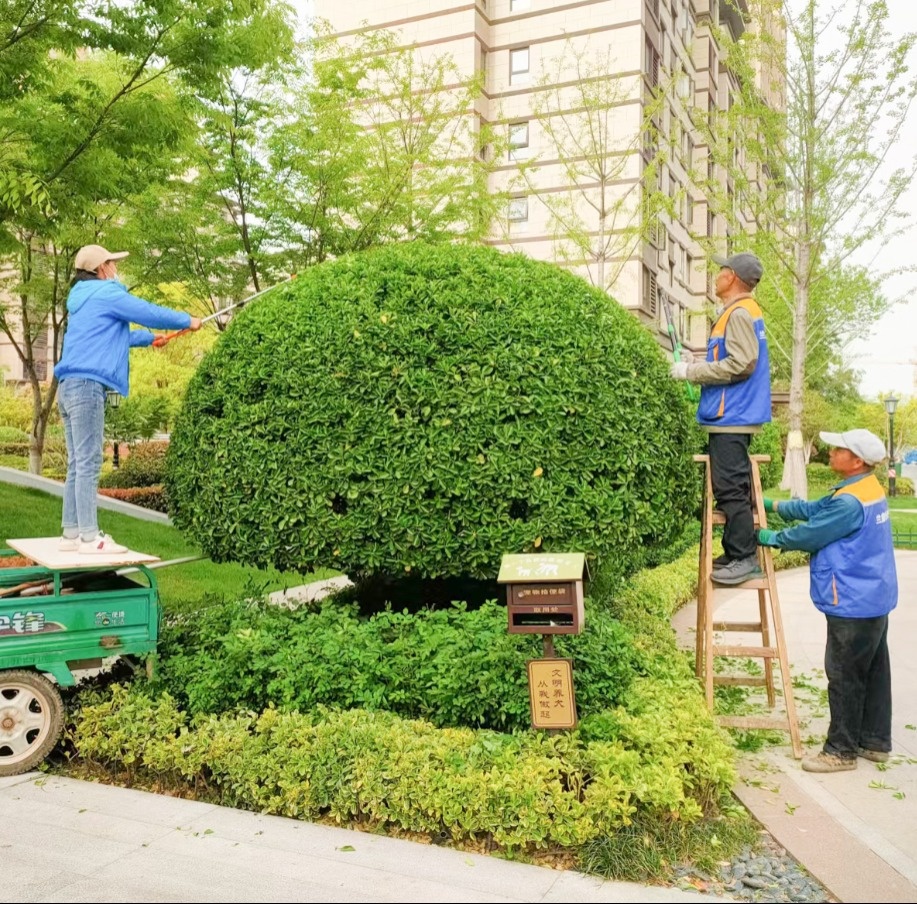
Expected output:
(739, 681)
(748, 627)
(753, 722)
(746, 652)
(754, 584)
(720, 518)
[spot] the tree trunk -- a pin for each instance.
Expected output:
(39, 426)
(794, 463)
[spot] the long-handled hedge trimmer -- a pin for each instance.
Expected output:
(160, 341)
(690, 388)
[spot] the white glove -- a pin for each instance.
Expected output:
(679, 370)
(685, 356)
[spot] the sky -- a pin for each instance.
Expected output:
(883, 357)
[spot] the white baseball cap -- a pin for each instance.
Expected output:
(91, 257)
(862, 443)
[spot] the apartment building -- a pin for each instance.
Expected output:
(580, 184)
(11, 367)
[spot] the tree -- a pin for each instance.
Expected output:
(80, 135)
(804, 146)
(212, 228)
(380, 145)
(610, 161)
(29, 31)
(127, 156)
(844, 305)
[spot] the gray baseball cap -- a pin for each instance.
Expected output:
(745, 265)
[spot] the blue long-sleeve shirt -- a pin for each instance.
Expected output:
(99, 333)
(824, 521)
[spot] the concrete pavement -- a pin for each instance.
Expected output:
(68, 840)
(856, 832)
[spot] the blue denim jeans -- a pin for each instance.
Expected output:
(859, 685)
(82, 409)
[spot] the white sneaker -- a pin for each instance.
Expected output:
(68, 544)
(102, 545)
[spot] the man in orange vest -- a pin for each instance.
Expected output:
(735, 402)
(853, 581)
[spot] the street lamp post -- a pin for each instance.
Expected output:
(891, 403)
(113, 400)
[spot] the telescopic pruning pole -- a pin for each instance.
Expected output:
(160, 341)
(691, 389)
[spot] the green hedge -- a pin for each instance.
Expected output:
(426, 409)
(523, 790)
(13, 435)
(52, 447)
(146, 497)
(769, 442)
(143, 466)
(451, 667)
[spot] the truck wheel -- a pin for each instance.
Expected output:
(31, 718)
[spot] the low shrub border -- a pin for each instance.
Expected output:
(526, 790)
(147, 497)
(658, 758)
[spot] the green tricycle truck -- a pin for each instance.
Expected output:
(60, 614)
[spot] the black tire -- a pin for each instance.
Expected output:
(31, 719)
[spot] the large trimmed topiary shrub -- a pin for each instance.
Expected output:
(423, 410)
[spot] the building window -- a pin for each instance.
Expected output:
(650, 300)
(518, 140)
(651, 63)
(518, 210)
(519, 66)
(684, 86)
(40, 355)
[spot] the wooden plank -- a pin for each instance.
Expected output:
(754, 584)
(739, 681)
(44, 551)
(753, 722)
(720, 518)
(747, 627)
(743, 652)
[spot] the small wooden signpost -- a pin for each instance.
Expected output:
(544, 595)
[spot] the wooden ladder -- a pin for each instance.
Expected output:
(769, 623)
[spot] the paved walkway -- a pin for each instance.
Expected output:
(68, 840)
(856, 832)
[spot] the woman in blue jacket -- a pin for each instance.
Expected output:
(95, 358)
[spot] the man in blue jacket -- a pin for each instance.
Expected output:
(854, 582)
(735, 401)
(95, 358)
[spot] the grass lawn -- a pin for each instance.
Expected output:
(31, 513)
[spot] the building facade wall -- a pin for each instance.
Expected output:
(518, 45)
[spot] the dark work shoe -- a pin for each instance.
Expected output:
(738, 571)
(720, 561)
(876, 756)
(828, 762)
